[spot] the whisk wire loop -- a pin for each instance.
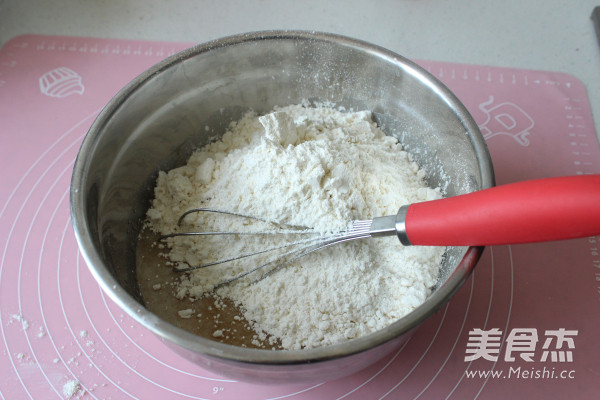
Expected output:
(285, 253)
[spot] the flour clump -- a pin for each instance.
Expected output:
(315, 167)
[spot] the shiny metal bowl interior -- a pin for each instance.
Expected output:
(159, 118)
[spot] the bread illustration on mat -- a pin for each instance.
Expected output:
(61, 82)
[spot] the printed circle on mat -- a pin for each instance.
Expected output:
(59, 328)
(31, 220)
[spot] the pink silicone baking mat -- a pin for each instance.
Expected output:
(525, 325)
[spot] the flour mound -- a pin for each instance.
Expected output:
(318, 168)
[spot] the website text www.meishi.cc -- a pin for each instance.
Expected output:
(521, 373)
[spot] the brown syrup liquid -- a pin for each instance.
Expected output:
(211, 315)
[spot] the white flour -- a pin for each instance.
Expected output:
(314, 167)
(71, 388)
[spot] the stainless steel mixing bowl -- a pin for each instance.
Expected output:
(158, 119)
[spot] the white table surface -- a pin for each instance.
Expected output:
(555, 35)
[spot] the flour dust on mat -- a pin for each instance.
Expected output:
(313, 167)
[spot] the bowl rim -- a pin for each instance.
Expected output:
(210, 348)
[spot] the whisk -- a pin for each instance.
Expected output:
(525, 212)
